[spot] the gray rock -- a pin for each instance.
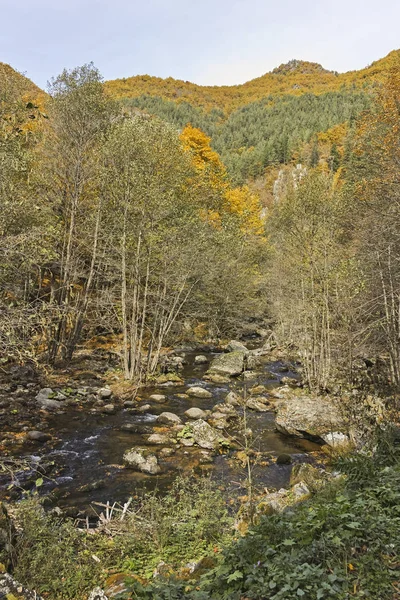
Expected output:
(136, 428)
(336, 439)
(188, 442)
(49, 404)
(141, 460)
(195, 413)
(256, 405)
(38, 436)
(158, 398)
(108, 409)
(303, 416)
(130, 404)
(45, 393)
(140, 409)
(104, 393)
(198, 392)
(97, 594)
(249, 375)
(226, 409)
(235, 346)
(165, 452)
(10, 588)
(300, 491)
(158, 439)
(200, 359)
(231, 364)
(204, 435)
(168, 418)
(233, 399)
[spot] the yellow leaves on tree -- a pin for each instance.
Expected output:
(246, 205)
(239, 202)
(378, 143)
(204, 158)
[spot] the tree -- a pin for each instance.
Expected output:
(80, 115)
(310, 268)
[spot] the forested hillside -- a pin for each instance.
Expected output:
(266, 121)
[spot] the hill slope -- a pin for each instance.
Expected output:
(267, 121)
(294, 78)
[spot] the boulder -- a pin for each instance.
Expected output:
(231, 364)
(235, 346)
(195, 413)
(97, 594)
(168, 418)
(158, 397)
(309, 475)
(45, 399)
(204, 435)
(38, 436)
(198, 392)
(130, 404)
(256, 405)
(249, 376)
(188, 442)
(233, 399)
(158, 439)
(200, 359)
(141, 460)
(140, 409)
(49, 404)
(226, 409)
(336, 439)
(12, 590)
(300, 492)
(312, 418)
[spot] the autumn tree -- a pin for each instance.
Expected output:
(80, 115)
(374, 184)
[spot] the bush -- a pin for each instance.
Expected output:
(342, 544)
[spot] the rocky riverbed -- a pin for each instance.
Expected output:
(86, 442)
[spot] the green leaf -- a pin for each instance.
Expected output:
(39, 482)
(234, 576)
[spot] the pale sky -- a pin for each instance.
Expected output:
(210, 42)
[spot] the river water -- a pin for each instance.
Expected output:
(85, 465)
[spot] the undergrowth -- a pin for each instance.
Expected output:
(341, 544)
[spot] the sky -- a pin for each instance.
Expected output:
(209, 42)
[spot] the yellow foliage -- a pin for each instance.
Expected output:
(295, 78)
(246, 205)
(198, 143)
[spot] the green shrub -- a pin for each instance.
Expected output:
(342, 544)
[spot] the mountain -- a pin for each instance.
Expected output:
(268, 121)
(11, 77)
(295, 78)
